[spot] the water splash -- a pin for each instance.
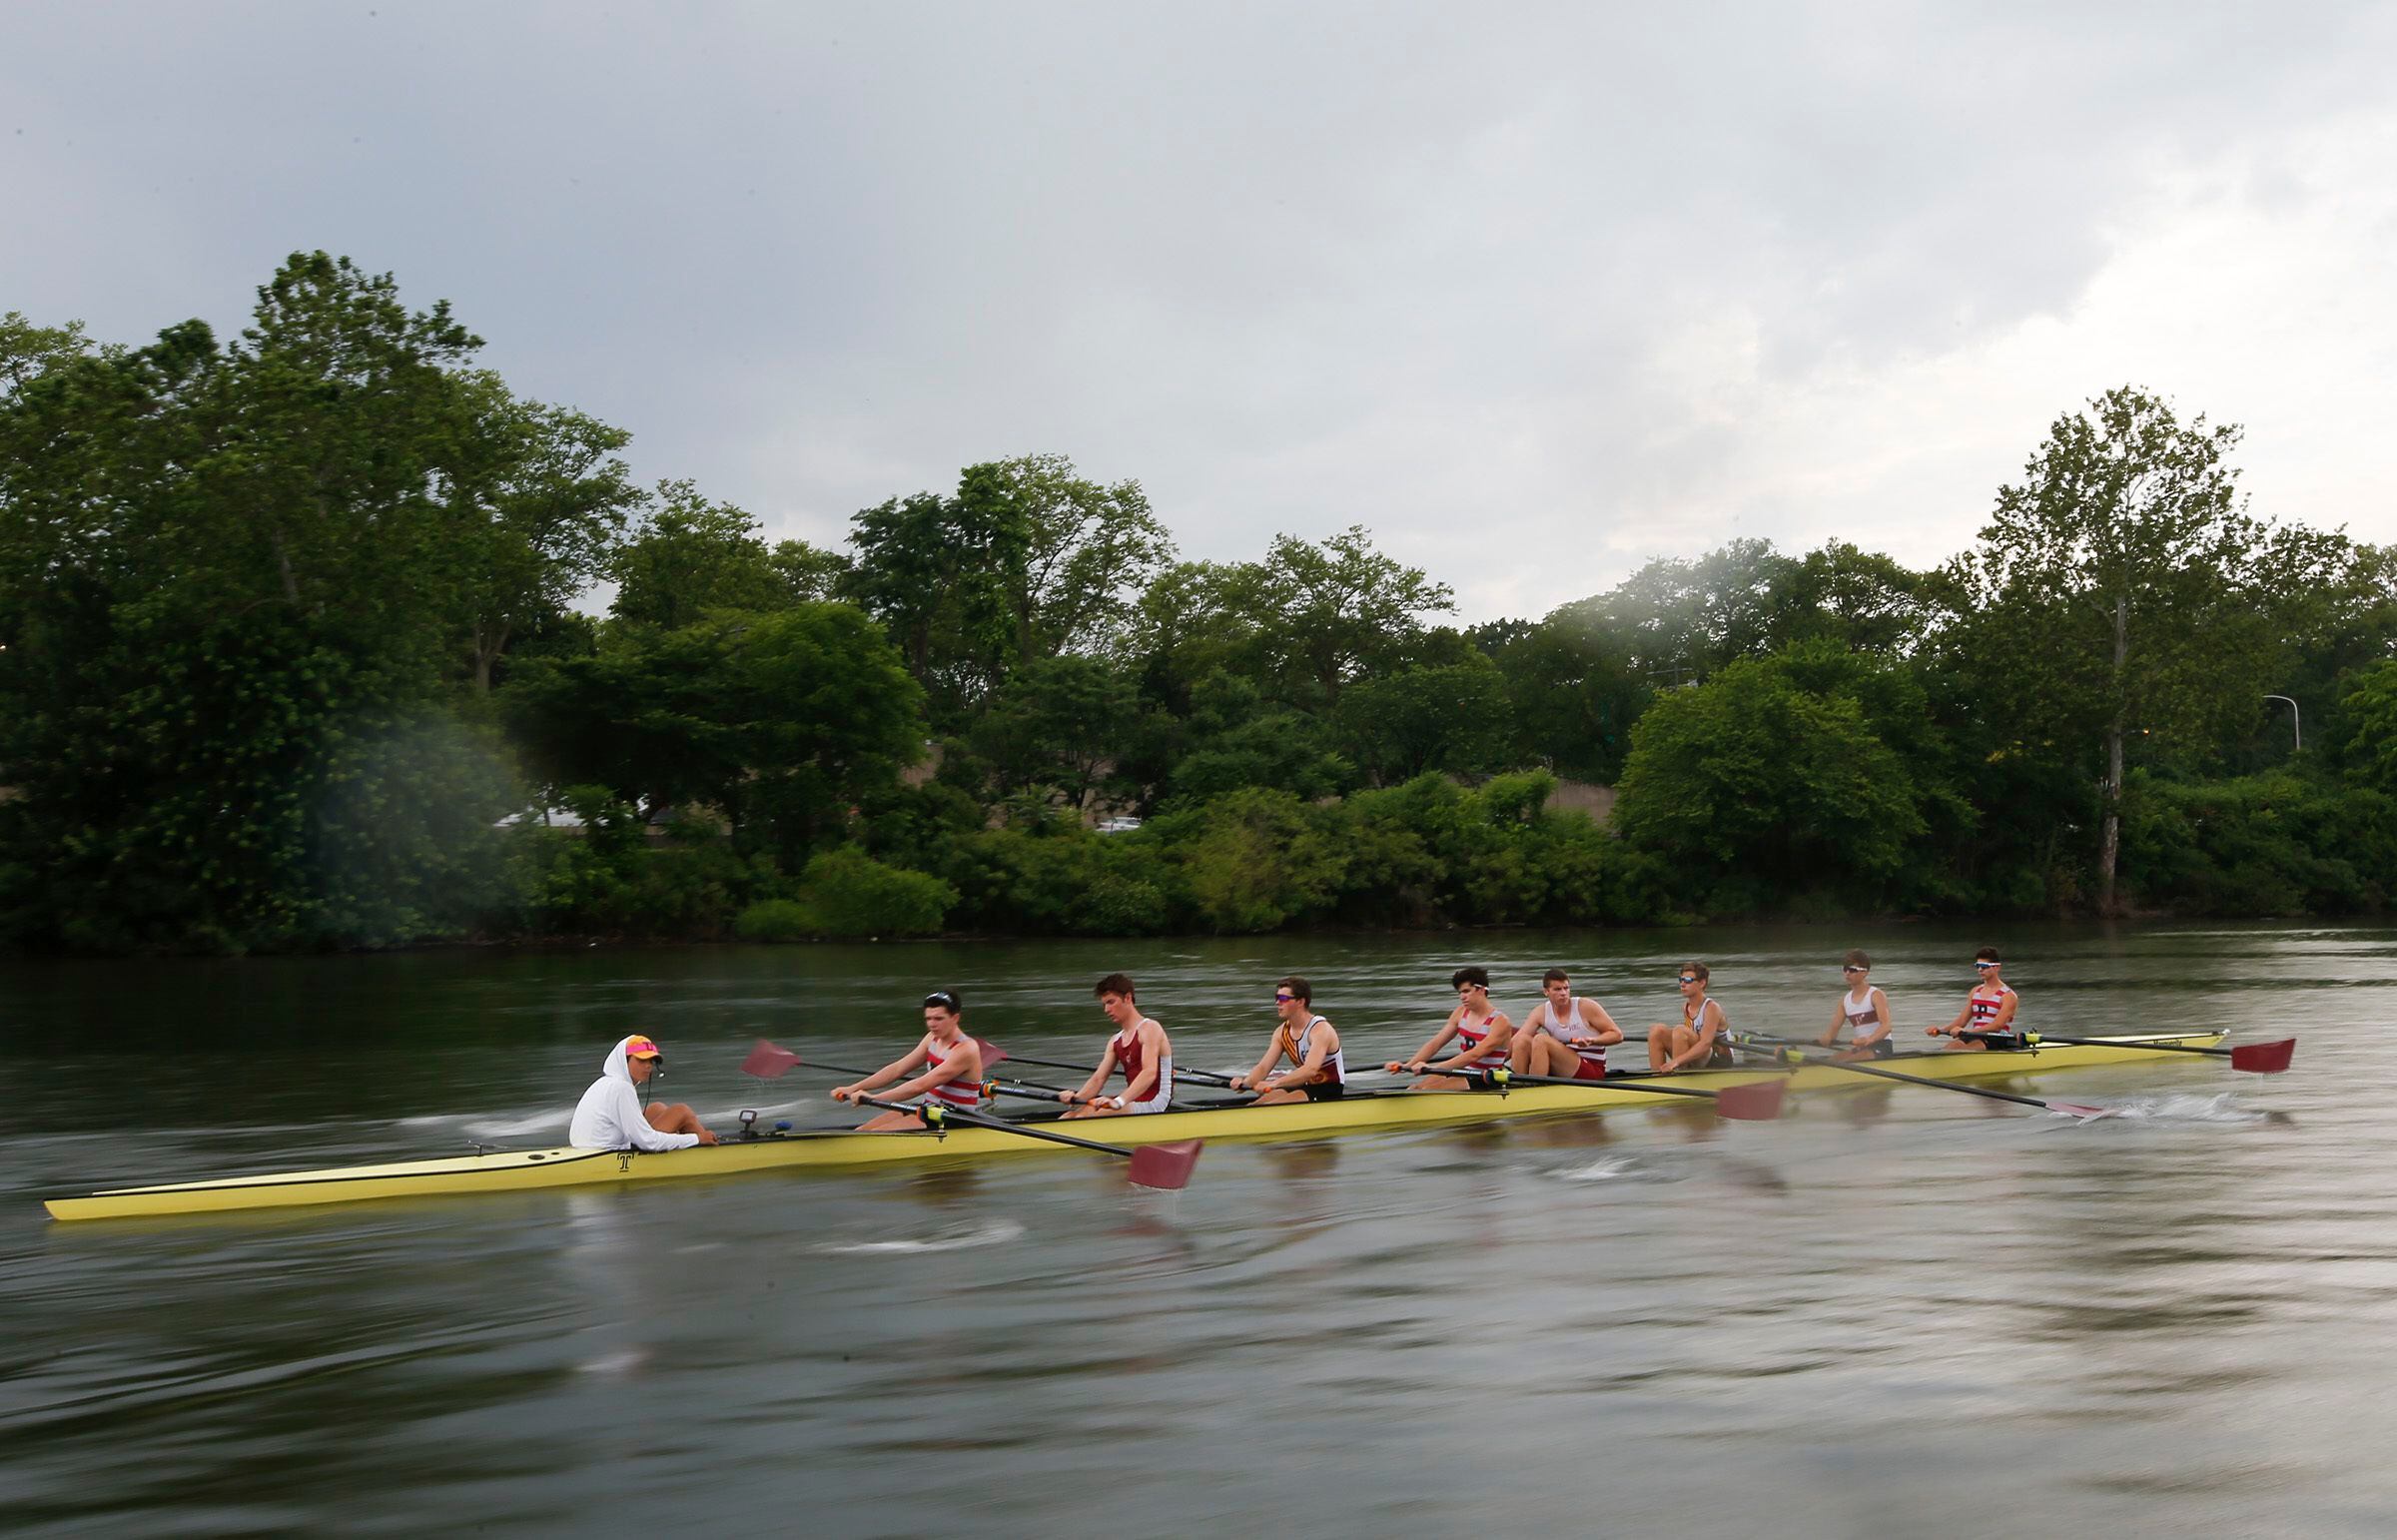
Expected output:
(990, 1232)
(2183, 1108)
(1618, 1169)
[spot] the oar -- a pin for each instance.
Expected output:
(2254, 1057)
(2068, 1109)
(1166, 1167)
(769, 1062)
(1196, 1077)
(1759, 1102)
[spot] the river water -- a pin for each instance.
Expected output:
(1895, 1311)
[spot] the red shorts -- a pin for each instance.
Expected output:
(1589, 1071)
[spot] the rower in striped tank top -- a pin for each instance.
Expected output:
(1564, 1035)
(1483, 1036)
(1700, 1041)
(1138, 1048)
(1987, 1019)
(1317, 1073)
(1864, 1011)
(945, 1067)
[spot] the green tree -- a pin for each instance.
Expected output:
(1059, 727)
(2121, 597)
(784, 721)
(547, 517)
(1453, 720)
(692, 557)
(230, 600)
(1751, 787)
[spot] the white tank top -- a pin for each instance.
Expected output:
(1570, 1027)
(1862, 1018)
(1336, 1062)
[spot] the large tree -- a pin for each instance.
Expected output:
(545, 518)
(2121, 599)
(229, 576)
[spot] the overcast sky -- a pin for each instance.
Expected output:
(1534, 292)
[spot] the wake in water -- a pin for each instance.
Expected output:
(990, 1232)
(1623, 1168)
(554, 1121)
(2221, 1107)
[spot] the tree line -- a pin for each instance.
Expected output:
(293, 622)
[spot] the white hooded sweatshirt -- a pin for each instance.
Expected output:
(610, 1114)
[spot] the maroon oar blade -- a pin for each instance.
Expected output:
(992, 1053)
(767, 1062)
(2263, 1058)
(1166, 1167)
(2084, 1113)
(1756, 1103)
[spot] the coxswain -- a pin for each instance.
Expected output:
(1481, 1033)
(1700, 1040)
(1307, 1042)
(1138, 1048)
(1987, 1019)
(1564, 1035)
(1864, 1011)
(945, 1062)
(611, 1117)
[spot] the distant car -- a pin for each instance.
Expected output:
(1118, 825)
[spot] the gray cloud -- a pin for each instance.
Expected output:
(1535, 294)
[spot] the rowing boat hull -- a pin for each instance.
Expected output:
(520, 1170)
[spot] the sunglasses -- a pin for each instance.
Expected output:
(942, 998)
(1852, 968)
(1688, 978)
(1984, 967)
(1283, 999)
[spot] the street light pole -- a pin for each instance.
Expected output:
(2296, 720)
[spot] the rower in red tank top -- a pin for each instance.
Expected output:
(1140, 1049)
(1987, 1019)
(1482, 1035)
(945, 1065)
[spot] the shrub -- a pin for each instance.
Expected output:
(775, 920)
(851, 894)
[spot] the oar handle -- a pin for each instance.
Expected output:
(1201, 1077)
(935, 1116)
(1503, 1078)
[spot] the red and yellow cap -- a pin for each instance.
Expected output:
(641, 1048)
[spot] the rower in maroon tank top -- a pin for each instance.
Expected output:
(1140, 1049)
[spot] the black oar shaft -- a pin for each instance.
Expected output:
(1202, 1077)
(2034, 1038)
(1510, 1078)
(1911, 1080)
(976, 1119)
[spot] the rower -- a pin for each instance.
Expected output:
(1698, 1042)
(946, 1064)
(611, 1117)
(1138, 1048)
(1987, 1019)
(1564, 1036)
(1864, 1011)
(1482, 1034)
(1317, 1073)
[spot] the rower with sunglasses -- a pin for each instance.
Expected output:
(1987, 1019)
(945, 1062)
(1702, 1040)
(1864, 1011)
(1307, 1042)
